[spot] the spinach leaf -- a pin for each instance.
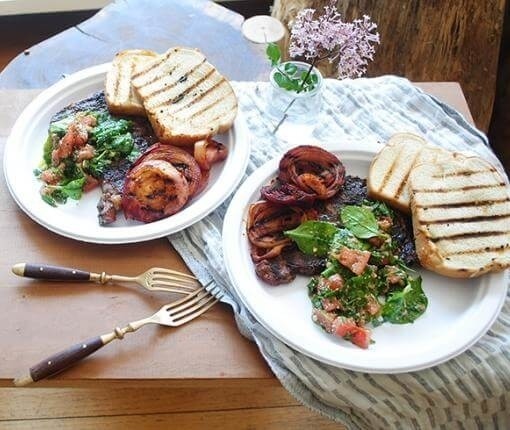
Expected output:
(406, 306)
(344, 237)
(379, 208)
(360, 221)
(48, 199)
(60, 193)
(313, 237)
(73, 189)
(47, 150)
(60, 127)
(107, 130)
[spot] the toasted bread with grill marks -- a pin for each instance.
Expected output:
(185, 97)
(390, 169)
(461, 217)
(120, 94)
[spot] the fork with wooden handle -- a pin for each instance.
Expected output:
(172, 315)
(155, 279)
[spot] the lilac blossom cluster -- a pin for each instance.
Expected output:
(327, 36)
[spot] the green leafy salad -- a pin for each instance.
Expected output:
(365, 282)
(78, 150)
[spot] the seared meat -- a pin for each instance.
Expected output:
(95, 103)
(303, 264)
(275, 271)
(402, 234)
(284, 268)
(353, 192)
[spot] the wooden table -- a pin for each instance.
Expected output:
(204, 372)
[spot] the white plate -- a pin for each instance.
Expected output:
(78, 219)
(458, 314)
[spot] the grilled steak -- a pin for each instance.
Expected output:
(113, 180)
(284, 268)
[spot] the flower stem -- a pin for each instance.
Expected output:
(285, 114)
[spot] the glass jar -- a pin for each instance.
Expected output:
(296, 107)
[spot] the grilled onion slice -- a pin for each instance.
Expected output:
(209, 151)
(313, 170)
(266, 224)
(154, 189)
(180, 159)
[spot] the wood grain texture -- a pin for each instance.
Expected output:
(175, 396)
(429, 41)
(276, 418)
(499, 132)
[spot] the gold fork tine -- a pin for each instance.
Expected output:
(204, 300)
(165, 285)
(197, 313)
(159, 279)
(157, 270)
(185, 299)
(200, 300)
(190, 302)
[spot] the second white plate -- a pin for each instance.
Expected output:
(459, 311)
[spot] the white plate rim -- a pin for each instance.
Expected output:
(206, 203)
(236, 217)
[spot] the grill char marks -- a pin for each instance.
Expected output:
(466, 188)
(185, 97)
(461, 217)
(388, 179)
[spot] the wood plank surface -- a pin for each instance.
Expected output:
(277, 418)
(429, 41)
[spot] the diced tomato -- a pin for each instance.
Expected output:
(361, 337)
(347, 328)
(343, 326)
(354, 259)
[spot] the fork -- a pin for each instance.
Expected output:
(172, 315)
(155, 279)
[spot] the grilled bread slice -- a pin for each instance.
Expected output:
(390, 169)
(461, 217)
(120, 95)
(185, 97)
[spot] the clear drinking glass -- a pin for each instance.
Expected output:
(302, 107)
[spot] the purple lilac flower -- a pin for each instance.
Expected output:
(327, 36)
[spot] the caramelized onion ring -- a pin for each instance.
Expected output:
(154, 189)
(266, 224)
(286, 194)
(209, 151)
(181, 160)
(313, 170)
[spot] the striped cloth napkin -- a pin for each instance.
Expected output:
(471, 391)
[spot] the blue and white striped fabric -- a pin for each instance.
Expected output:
(471, 391)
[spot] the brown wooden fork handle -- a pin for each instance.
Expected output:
(54, 273)
(60, 361)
